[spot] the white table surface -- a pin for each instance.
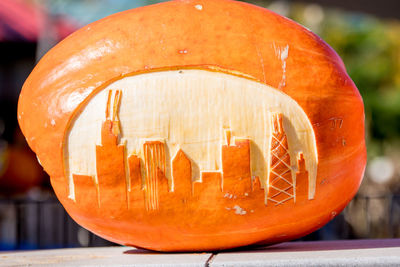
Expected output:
(384, 252)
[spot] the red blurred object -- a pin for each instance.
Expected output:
(24, 21)
(20, 171)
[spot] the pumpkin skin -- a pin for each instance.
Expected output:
(220, 37)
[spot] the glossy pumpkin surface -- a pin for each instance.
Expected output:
(196, 125)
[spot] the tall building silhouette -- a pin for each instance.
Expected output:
(136, 193)
(155, 168)
(281, 187)
(236, 166)
(182, 176)
(110, 161)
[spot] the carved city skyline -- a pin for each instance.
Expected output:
(133, 175)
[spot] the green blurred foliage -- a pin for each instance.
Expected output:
(370, 49)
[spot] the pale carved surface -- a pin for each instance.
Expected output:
(200, 113)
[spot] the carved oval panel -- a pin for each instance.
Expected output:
(181, 126)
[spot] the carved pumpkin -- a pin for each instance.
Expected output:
(196, 125)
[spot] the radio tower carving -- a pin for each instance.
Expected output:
(281, 187)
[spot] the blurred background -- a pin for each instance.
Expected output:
(365, 33)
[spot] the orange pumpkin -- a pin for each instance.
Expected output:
(196, 125)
